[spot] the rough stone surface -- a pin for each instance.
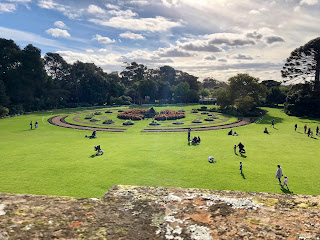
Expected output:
(128, 212)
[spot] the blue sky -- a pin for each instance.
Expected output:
(217, 38)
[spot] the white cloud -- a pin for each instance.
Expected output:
(309, 2)
(170, 3)
(7, 7)
(157, 24)
(173, 52)
(210, 57)
(93, 9)
(241, 56)
(20, 1)
(103, 40)
(60, 24)
(57, 32)
(124, 14)
(68, 11)
(273, 39)
(131, 35)
(27, 38)
(255, 12)
(111, 6)
(139, 2)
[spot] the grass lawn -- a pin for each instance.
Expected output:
(52, 160)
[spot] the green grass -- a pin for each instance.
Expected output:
(58, 161)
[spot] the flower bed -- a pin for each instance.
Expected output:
(108, 111)
(134, 114)
(178, 123)
(97, 113)
(194, 111)
(154, 123)
(209, 119)
(108, 121)
(196, 121)
(94, 120)
(89, 116)
(169, 115)
(204, 113)
(128, 123)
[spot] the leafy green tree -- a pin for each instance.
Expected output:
(148, 87)
(132, 73)
(211, 83)
(180, 92)
(4, 99)
(243, 85)
(303, 63)
(245, 104)
(3, 111)
(240, 88)
(57, 68)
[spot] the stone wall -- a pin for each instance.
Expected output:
(129, 212)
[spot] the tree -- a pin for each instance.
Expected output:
(303, 63)
(4, 99)
(180, 92)
(133, 72)
(211, 83)
(57, 68)
(244, 91)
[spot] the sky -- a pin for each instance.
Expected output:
(205, 38)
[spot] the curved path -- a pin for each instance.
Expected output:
(60, 121)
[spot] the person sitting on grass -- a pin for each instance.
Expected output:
(230, 132)
(235, 134)
(98, 150)
(93, 135)
(266, 130)
(211, 159)
(199, 140)
(194, 140)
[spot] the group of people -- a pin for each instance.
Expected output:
(35, 125)
(195, 140)
(232, 134)
(279, 176)
(308, 130)
(241, 148)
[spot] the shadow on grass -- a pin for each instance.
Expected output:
(93, 156)
(242, 155)
(284, 190)
(243, 176)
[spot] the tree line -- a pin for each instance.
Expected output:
(29, 82)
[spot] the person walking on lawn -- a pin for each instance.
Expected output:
(279, 174)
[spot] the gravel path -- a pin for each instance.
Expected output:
(60, 121)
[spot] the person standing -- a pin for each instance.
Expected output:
(317, 130)
(285, 182)
(309, 132)
(305, 128)
(272, 124)
(240, 168)
(295, 127)
(36, 125)
(31, 125)
(235, 149)
(189, 134)
(279, 174)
